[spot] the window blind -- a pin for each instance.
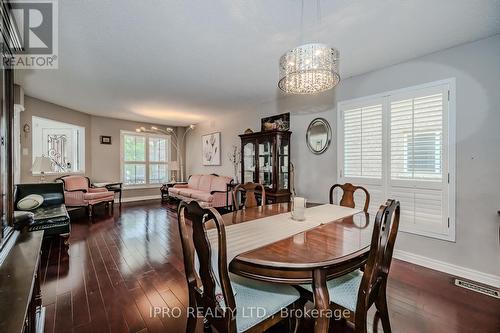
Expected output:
(363, 141)
(416, 138)
(397, 145)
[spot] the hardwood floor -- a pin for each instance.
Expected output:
(118, 267)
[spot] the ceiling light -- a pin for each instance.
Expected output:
(309, 69)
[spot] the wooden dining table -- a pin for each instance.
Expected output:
(310, 257)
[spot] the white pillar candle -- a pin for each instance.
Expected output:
(299, 205)
(299, 202)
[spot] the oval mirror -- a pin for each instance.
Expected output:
(318, 135)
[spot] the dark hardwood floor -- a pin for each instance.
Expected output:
(118, 267)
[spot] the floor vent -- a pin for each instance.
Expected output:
(478, 288)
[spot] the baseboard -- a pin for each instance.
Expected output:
(140, 198)
(466, 273)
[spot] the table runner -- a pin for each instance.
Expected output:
(247, 236)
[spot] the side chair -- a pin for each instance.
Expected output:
(225, 301)
(359, 290)
(348, 195)
(250, 199)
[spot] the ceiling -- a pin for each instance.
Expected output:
(179, 62)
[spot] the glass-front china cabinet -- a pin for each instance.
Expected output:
(265, 159)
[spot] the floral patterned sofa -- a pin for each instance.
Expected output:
(208, 190)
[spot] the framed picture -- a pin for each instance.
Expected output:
(280, 122)
(105, 140)
(210, 144)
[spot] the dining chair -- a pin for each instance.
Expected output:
(359, 290)
(348, 195)
(228, 303)
(250, 199)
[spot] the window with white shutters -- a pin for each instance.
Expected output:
(402, 138)
(363, 141)
(416, 136)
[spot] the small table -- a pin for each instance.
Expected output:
(113, 187)
(164, 189)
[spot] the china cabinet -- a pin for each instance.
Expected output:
(265, 159)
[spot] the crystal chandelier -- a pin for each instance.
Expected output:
(309, 69)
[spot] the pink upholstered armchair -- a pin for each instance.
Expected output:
(79, 193)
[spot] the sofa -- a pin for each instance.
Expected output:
(52, 215)
(79, 193)
(208, 190)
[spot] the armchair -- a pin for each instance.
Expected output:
(79, 193)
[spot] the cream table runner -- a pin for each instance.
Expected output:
(247, 236)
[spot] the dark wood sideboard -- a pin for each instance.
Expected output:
(21, 308)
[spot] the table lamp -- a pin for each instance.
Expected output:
(174, 166)
(41, 165)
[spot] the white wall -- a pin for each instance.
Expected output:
(476, 67)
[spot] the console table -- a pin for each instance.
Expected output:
(20, 298)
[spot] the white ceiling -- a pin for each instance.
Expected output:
(178, 62)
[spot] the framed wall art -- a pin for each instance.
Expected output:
(280, 122)
(105, 140)
(210, 144)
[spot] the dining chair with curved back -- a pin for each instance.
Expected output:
(359, 290)
(226, 303)
(373, 287)
(250, 198)
(348, 195)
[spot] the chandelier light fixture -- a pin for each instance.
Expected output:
(309, 68)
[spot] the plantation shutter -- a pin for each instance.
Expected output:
(418, 172)
(397, 145)
(363, 142)
(362, 150)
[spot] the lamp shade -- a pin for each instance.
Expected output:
(173, 165)
(42, 164)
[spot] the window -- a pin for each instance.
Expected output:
(145, 158)
(62, 143)
(416, 137)
(399, 145)
(363, 141)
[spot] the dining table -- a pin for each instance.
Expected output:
(318, 253)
